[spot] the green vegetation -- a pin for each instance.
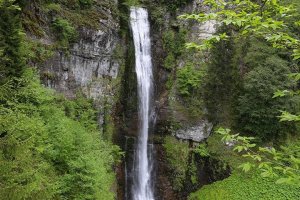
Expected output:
(249, 62)
(65, 32)
(253, 55)
(175, 4)
(238, 88)
(202, 150)
(221, 84)
(189, 80)
(11, 58)
(177, 154)
(185, 75)
(217, 150)
(131, 3)
(50, 146)
(64, 18)
(283, 164)
(159, 8)
(174, 41)
(257, 109)
(246, 186)
(36, 51)
(259, 183)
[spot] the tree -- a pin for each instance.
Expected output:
(270, 20)
(11, 58)
(222, 82)
(283, 165)
(257, 110)
(50, 147)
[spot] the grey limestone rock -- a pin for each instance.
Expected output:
(195, 133)
(90, 59)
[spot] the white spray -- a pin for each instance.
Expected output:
(142, 189)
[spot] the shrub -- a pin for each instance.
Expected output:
(65, 32)
(189, 79)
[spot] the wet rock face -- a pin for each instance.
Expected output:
(89, 62)
(195, 133)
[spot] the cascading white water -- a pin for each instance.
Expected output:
(142, 189)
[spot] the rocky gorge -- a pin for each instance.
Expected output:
(146, 99)
(100, 64)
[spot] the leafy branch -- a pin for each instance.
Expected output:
(282, 165)
(249, 18)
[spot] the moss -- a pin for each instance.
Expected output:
(188, 110)
(65, 17)
(48, 75)
(32, 27)
(193, 171)
(177, 154)
(202, 150)
(132, 3)
(169, 62)
(109, 128)
(36, 51)
(85, 18)
(53, 7)
(159, 8)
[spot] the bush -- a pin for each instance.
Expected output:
(50, 147)
(258, 111)
(189, 80)
(65, 32)
(170, 62)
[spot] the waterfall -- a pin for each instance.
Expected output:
(142, 186)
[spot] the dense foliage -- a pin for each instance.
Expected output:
(177, 154)
(254, 59)
(249, 63)
(11, 58)
(66, 33)
(250, 187)
(50, 147)
(239, 87)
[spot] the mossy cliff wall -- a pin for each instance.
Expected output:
(78, 50)
(176, 111)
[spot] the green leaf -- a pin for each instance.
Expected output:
(286, 116)
(239, 148)
(246, 166)
(280, 93)
(283, 180)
